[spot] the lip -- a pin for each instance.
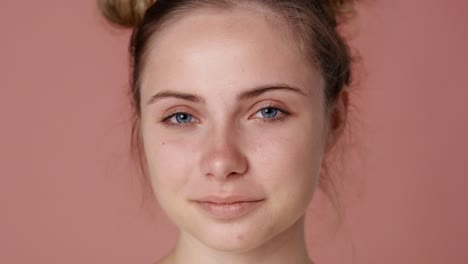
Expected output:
(227, 208)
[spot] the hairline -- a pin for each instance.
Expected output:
(272, 16)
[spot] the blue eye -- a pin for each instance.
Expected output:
(269, 112)
(182, 118)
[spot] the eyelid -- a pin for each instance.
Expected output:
(178, 110)
(284, 110)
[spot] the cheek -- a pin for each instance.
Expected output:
(289, 161)
(169, 164)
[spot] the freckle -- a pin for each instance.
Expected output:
(163, 143)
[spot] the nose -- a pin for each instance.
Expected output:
(222, 157)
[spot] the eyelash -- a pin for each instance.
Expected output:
(166, 120)
(283, 114)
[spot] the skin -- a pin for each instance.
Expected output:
(229, 145)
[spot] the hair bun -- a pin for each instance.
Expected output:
(127, 13)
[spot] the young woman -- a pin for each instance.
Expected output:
(237, 104)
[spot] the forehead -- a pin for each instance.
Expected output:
(214, 50)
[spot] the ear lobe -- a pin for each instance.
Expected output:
(338, 117)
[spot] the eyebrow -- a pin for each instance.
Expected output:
(257, 91)
(179, 95)
(263, 89)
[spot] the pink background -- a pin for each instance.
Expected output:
(69, 193)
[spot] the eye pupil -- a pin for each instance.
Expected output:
(183, 118)
(269, 112)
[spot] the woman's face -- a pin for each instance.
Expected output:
(233, 125)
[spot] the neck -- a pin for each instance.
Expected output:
(287, 247)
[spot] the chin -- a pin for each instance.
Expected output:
(232, 241)
(233, 236)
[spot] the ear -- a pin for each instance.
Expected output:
(337, 119)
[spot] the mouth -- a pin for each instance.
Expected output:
(227, 209)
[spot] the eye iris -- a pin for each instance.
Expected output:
(269, 112)
(183, 118)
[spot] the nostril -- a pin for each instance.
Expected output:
(223, 164)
